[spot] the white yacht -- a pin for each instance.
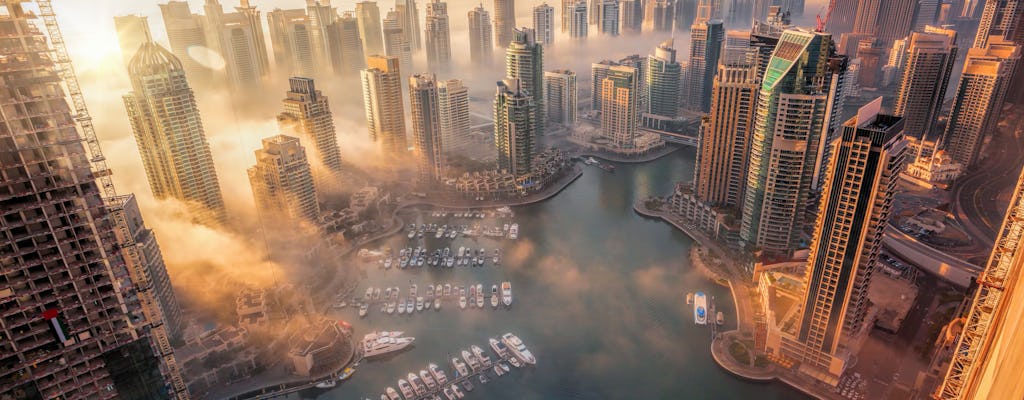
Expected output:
(419, 304)
(438, 373)
(513, 232)
(499, 347)
(506, 293)
(406, 389)
(479, 295)
(517, 348)
(392, 394)
(460, 367)
(417, 384)
(481, 355)
(377, 343)
(447, 289)
(494, 296)
(429, 380)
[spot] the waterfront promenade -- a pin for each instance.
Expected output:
(729, 270)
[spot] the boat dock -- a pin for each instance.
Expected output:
(458, 379)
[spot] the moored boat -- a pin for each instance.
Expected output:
(499, 347)
(460, 367)
(438, 373)
(406, 389)
(506, 293)
(494, 296)
(392, 393)
(700, 306)
(516, 346)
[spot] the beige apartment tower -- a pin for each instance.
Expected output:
(481, 50)
(169, 133)
(859, 185)
(721, 170)
(382, 98)
(928, 64)
(426, 127)
(979, 99)
(307, 115)
(282, 183)
(620, 112)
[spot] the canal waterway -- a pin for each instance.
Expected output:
(599, 299)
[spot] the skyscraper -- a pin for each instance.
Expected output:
(78, 318)
(856, 199)
(504, 21)
(929, 62)
(348, 57)
(453, 101)
(307, 115)
(706, 38)
(238, 38)
(798, 92)
(926, 13)
(979, 98)
(368, 17)
(515, 128)
(660, 15)
(524, 61)
(291, 41)
(560, 89)
(186, 34)
(663, 78)
(895, 20)
(720, 176)
(1001, 19)
(132, 33)
(632, 16)
(544, 23)
(144, 258)
(382, 98)
(410, 22)
(282, 183)
(426, 127)
(608, 17)
(438, 42)
(321, 17)
(481, 49)
(578, 20)
(843, 16)
(620, 112)
(598, 71)
(395, 42)
(986, 364)
(171, 140)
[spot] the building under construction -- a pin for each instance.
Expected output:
(987, 360)
(78, 314)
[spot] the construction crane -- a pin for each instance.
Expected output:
(66, 70)
(820, 23)
(129, 250)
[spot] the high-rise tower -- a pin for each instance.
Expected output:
(282, 183)
(798, 92)
(929, 62)
(720, 176)
(426, 127)
(80, 317)
(368, 17)
(515, 128)
(578, 19)
(238, 38)
(169, 133)
(544, 23)
(524, 61)
(620, 92)
(856, 198)
(504, 22)
(396, 44)
(706, 36)
(608, 17)
(307, 115)
(410, 22)
(438, 42)
(660, 15)
(1003, 19)
(979, 98)
(560, 89)
(132, 33)
(185, 33)
(663, 78)
(348, 58)
(481, 49)
(631, 19)
(453, 101)
(290, 39)
(382, 98)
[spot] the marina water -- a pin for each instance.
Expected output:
(600, 299)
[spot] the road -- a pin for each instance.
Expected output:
(978, 207)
